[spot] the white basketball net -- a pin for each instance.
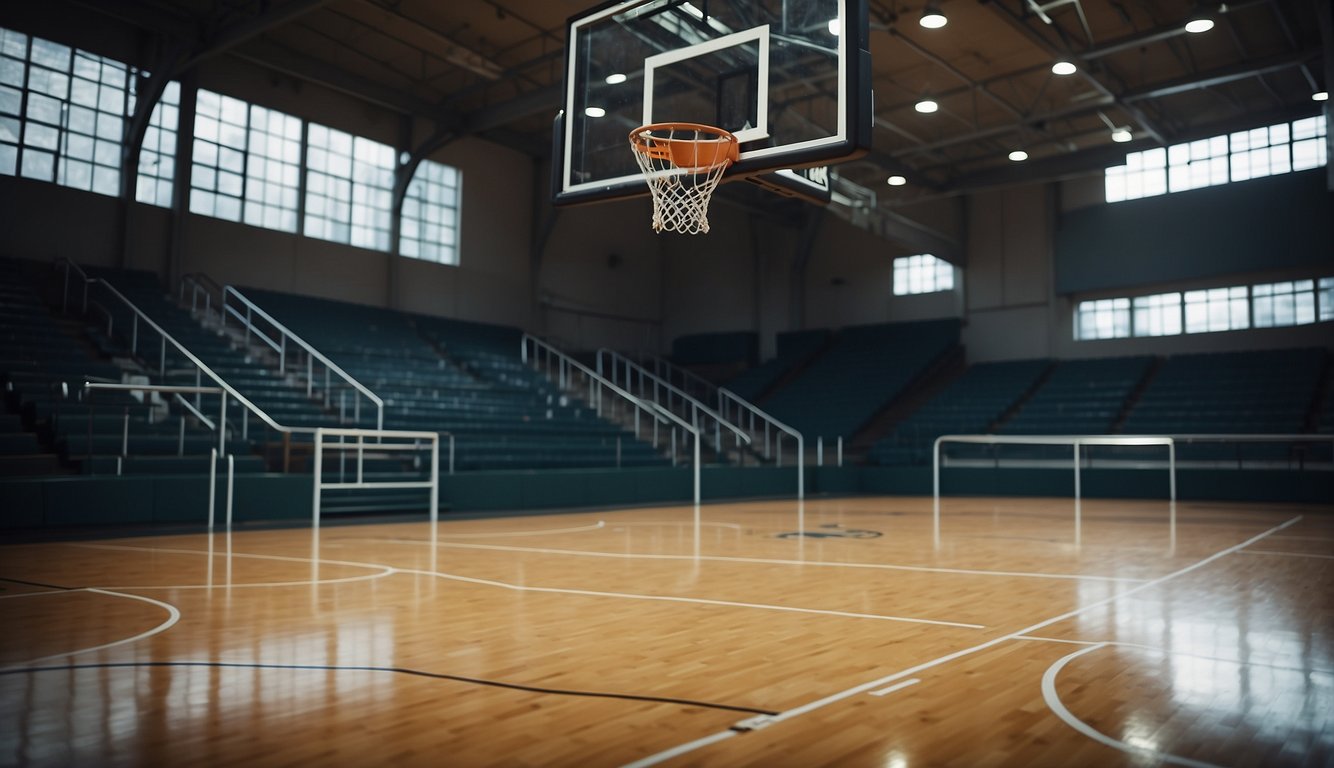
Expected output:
(682, 166)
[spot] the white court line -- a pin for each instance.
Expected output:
(561, 590)
(204, 553)
(855, 690)
(1285, 554)
(251, 585)
(762, 561)
(644, 523)
(679, 599)
(1166, 652)
(540, 532)
(896, 687)
(683, 749)
(173, 616)
(1053, 700)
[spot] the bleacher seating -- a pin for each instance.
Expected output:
(793, 348)
(282, 400)
(463, 378)
(47, 362)
(863, 369)
(1256, 392)
(1081, 397)
(970, 404)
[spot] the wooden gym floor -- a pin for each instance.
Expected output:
(606, 638)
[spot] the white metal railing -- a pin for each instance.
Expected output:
(689, 381)
(757, 421)
(1076, 441)
(91, 387)
(626, 373)
(137, 319)
(565, 370)
(285, 343)
(246, 315)
(201, 369)
(387, 441)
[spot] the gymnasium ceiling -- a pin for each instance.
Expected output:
(493, 68)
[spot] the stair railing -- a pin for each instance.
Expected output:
(635, 378)
(736, 408)
(139, 319)
(570, 374)
(689, 381)
(291, 348)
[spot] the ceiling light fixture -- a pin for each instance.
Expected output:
(835, 27)
(595, 111)
(932, 18)
(1320, 96)
(1122, 135)
(926, 106)
(1198, 24)
(1063, 68)
(1018, 155)
(896, 181)
(616, 78)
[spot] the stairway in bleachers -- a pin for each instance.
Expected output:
(862, 370)
(795, 349)
(1081, 397)
(48, 360)
(969, 405)
(1255, 392)
(463, 378)
(286, 403)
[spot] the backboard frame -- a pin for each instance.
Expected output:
(758, 163)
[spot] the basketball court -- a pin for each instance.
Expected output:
(762, 633)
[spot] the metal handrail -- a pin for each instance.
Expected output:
(200, 366)
(1077, 441)
(727, 397)
(660, 364)
(696, 408)
(312, 354)
(660, 414)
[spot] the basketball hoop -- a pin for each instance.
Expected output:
(683, 163)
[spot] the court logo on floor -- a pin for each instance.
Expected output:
(832, 531)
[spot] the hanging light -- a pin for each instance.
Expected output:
(1063, 68)
(1199, 24)
(1121, 135)
(896, 181)
(1320, 96)
(932, 18)
(926, 106)
(616, 78)
(835, 27)
(1018, 155)
(595, 111)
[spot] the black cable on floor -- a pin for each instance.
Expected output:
(36, 584)
(401, 671)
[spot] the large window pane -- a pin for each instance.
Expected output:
(432, 197)
(1239, 156)
(349, 189)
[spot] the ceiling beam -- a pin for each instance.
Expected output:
(395, 25)
(234, 34)
(1240, 71)
(537, 102)
(281, 59)
(1017, 23)
(1091, 160)
(1155, 35)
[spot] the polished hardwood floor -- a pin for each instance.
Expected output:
(838, 632)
